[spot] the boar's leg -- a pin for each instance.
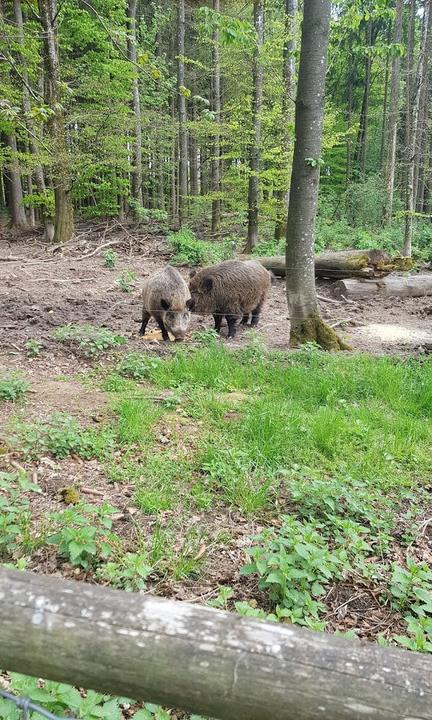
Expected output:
(160, 322)
(145, 319)
(256, 313)
(218, 322)
(231, 320)
(245, 319)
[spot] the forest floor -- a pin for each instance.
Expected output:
(154, 466)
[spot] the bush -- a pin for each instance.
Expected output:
(189, 250)
(12, 387)
(60, 435)
(137, 365)
(89, 340)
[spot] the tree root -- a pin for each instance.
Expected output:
(314, 329)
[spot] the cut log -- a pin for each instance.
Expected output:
(347, 263)
(200, 659)
(392, 286)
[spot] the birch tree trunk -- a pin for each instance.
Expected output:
(137, 174)
(414, 135)
(183, 138)
(393, 115)
(287, 99)
(306, 323)
(62, 180)
(255, 152)
(216, 203)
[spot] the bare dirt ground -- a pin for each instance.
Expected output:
(45, 288)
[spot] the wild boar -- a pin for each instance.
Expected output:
(166, 297)
(232, 288)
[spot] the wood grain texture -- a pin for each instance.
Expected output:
(392, 286)
(200, 659)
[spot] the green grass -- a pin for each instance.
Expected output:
(328, 454)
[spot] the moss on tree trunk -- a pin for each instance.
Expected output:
(314, 329)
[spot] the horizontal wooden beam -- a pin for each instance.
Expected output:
(200, 659)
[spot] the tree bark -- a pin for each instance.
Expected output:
(287, 102)
(200, 659)
(62, 181)
(393, 115)
(255, 151)
(193, 155)
(216, 106)
(15, 196)
(409, 72)
(137, 174)
(413, 146)
(362, 137)
(183, 138)
(384, 115)
(391, 286)
(306, 323)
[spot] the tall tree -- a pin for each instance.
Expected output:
(362, 137)
(255, 150)
(216, 107)
(15, 194)
(182, 91)
(287, 100)
(306, 323)
(414, 131)
(33, 140)
(137, 175)
(62, 180)
(393, 113)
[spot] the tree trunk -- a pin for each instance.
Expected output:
(193, 155)
(422, 154)
(216, 106)
(391, 286)
(137, 174)
(350, 103)
(409, 71)
(393, 115)
(18, 217)
(287, 102)
(32, 137)
(183, 138)
(255, 152)
(62, 181)
(385, 104)
(413, 147)
(306, 323)
(362, 137)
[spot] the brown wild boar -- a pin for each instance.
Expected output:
(166, 297)
(233, 288)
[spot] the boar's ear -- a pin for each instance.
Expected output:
(165, 305)
(190, 303)
(207, 284)
(192, 273)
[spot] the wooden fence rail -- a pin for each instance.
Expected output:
(200, 659)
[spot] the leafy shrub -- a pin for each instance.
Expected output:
(84, 534)
(60, 435)
(411, 589)
(126, 281)
(14, 512)
(12, 387)
(33, 348)
(188, 250)
(110, 258)
(137, 365)
(129, 574)
(294, 564)
(89, 340)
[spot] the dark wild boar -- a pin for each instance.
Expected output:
(233, 288)
(166, 297)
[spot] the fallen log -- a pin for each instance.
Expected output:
(200, 659)
(391, 286)
(347, 263)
